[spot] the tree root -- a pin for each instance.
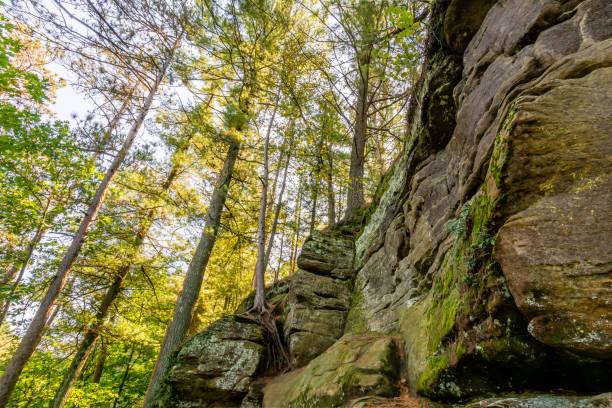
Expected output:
(278, 356)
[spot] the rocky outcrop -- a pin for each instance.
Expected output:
(555, 247)
(319, 296)
(223, 365)
(505, 214)
(484, 263)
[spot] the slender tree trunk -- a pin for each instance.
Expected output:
(90, 360)
(100, 361)
(354, 197)
(298, 218)
(86, 345)
(279, 205)
(177, 329)
(93, 332)
(43, 227)
(10, 270)
(331, 200)
(272, 195)
(280, 256)
(59, 306)
(315, 193)
(313, 210)
(37, 327)
(124, 377)
(379, 158)
(40, 233)
(260, 266)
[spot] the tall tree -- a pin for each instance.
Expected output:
(90, 337)
(177, 329)
(364, 30)
(38, 324)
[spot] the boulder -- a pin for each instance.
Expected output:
(355, 366)
(319, 296)
(318, 292)
(217, 366)
(329, 254)
(317, 309)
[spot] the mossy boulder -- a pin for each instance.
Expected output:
(355, 366)
(217, 366)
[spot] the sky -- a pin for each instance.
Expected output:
(68, 102)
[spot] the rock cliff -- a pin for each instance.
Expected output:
(484, 264)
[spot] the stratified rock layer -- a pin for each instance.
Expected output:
(524, 180)
(319, 296)
(556, 250)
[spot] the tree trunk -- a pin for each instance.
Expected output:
(86, 345)
(379, 158)
(313, 210)
(100, 361)
(42, 229)
(124, 378)
(93, 332)
(298, 219)
(59, 306)
(331, 200)
(279, 205)
(280, 256)
(354, 197)
(177, 329)
(277, 173)
(37, 327)
(260, 266)
(40, 233)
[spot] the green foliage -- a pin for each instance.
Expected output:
(15, 83)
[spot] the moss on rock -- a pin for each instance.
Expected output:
(355, 366)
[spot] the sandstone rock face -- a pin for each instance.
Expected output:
(216, 367)
(522, 179)
(319, 296)
(556, 250)
(355, 366)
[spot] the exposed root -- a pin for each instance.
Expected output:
(277, 351)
